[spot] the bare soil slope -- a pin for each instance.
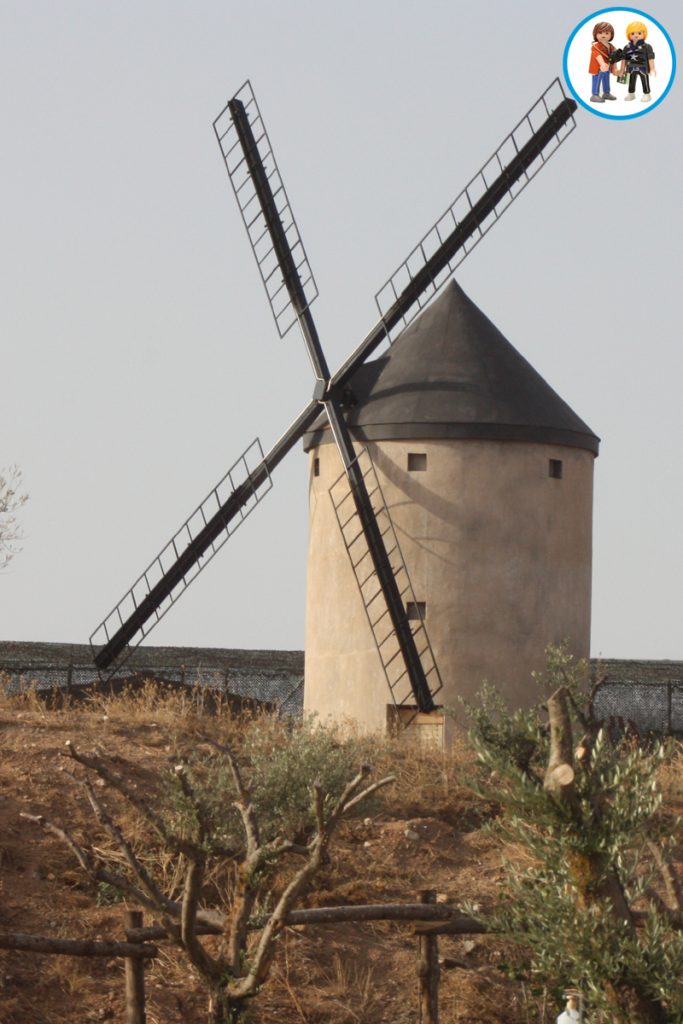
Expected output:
(428, 835)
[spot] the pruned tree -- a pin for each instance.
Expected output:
(192, 830)
(11, 500)
(596, 903)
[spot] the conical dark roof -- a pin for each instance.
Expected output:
(453, 374)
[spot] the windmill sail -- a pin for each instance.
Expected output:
(484, 199)
(245, 166)
(189, 551)
(250, 133)
(376, 610)
(475, 210)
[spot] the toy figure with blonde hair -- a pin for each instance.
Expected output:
(573, 1012)
(599, 67)
(638, 60)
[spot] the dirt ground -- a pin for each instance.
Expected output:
(428, 836)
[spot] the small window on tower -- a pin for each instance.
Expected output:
(316, 467)
(417, 462)
(416, 610)
(555, 469)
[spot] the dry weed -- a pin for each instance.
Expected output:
(670, 775)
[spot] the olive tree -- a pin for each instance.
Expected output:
(595, 901)
(221, 821)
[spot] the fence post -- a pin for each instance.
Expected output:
(135, 977)
(428, 971)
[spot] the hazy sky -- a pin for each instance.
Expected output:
(138, 353)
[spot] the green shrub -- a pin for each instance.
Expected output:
(280, 765)
(585, 903)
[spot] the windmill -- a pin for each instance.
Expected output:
(398, 628)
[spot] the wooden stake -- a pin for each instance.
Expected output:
(135, 977)
(428, 971)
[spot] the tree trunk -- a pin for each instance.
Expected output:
(593, 882)
(223, 1010)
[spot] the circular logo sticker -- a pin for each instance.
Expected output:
(619, 63)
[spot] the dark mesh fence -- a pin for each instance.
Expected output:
(282, 691)
(653, 706)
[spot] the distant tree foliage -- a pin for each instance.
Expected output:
(11, 500)
(596, 903)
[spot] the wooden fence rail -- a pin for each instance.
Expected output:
(445, 918)
(133, 949)
(429, 917)
(134, 953)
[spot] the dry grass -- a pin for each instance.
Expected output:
(424, 833)
(670, 776)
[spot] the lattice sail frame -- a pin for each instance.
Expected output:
(384, 636)
(266, 258)
(238, 474)
(465, 202)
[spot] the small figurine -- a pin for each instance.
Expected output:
(572, 1013)
(638, 61)
(599, 67)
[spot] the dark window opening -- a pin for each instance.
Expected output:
(555, 469)
(417, 462)
(416, 610)
(316, 467)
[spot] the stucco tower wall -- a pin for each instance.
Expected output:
(497, 548)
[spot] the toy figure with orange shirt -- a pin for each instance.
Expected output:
(599, 67)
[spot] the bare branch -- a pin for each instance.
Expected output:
(351, 787)
(84, 857)
(591, 697)
(93, 867)
(265, 948)
(160, 901)
(92, 864)
(197, 805)
(278, 845)
(319, 807)
(342, 803)
(118, 783)
(583, 719)
(205, 964)
(369, 791)
(244, 804)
